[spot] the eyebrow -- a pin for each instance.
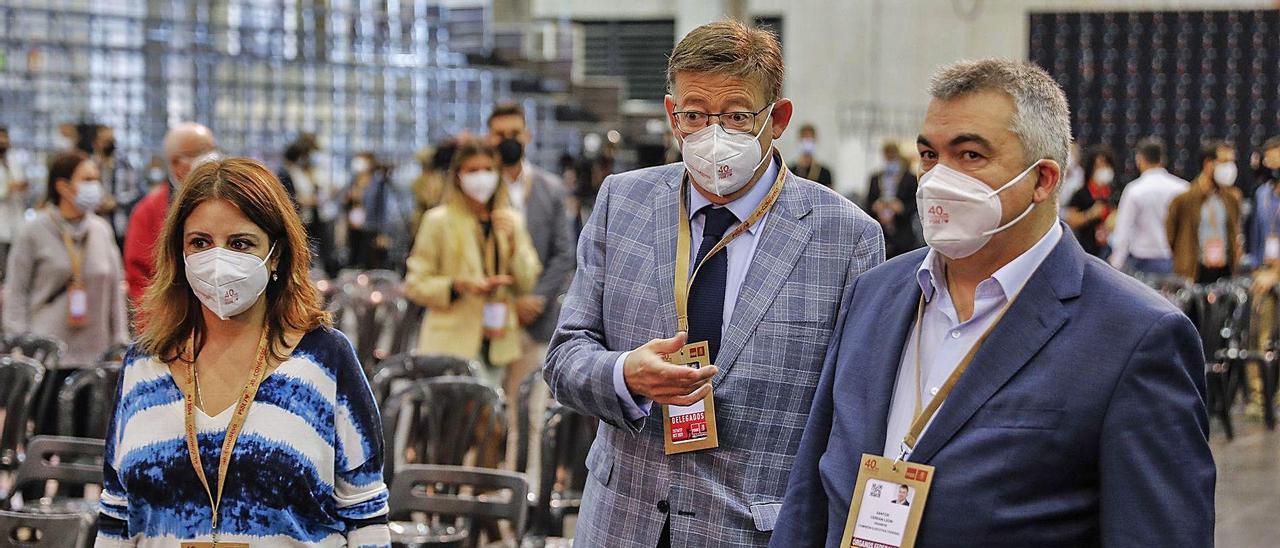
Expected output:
(971, 138)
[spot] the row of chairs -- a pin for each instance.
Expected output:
(436, 411)
(1239, 329)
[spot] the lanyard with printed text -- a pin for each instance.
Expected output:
(683, 279)
(247, 395)
(924, 416)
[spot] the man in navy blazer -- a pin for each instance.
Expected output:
(1080, 420)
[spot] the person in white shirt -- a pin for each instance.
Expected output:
(13, 195)
(1139, 241)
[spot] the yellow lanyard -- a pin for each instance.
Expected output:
(247, 394)
(683, 279)
(924, 416)
(77, 260)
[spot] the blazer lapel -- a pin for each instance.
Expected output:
(781, 242)
(890, 326)
(1036, 315)
(665, 224)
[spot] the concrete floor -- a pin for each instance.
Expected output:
(1248, 502)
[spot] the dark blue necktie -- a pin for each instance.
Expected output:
(706, 297)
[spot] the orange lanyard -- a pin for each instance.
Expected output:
(683, 279)
(247, 394)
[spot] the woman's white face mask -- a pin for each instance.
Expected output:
(960, 213)
(227, 282)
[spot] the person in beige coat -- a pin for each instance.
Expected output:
(472, 258)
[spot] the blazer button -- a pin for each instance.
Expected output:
(663, 506)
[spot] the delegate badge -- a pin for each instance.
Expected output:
(690, 428)
(888, 502)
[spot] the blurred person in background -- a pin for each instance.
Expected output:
(1072, 178)
(13, 194)
(430, 186)
(184, 145)
(471, 263)
(539, 198)
(64, 270)
(313, 195)
(239, 360)
(1264, 226)
(1091, 205)
(120, 183)
(365, 201)
(1204, 222)
(806, 165)
(1139, 241)
(891, 199)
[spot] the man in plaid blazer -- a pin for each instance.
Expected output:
(782, 282)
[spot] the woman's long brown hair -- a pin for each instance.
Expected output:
(171, 309)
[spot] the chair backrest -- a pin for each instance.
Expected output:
(566, 439)
(406, 420)
(19, 378)
(44, 349)
(32, 530)
(115, 354)
(467, 416)
(525, 415)
(460, 491)
(372, 317)
(79, 462)
(90, 395)
(392, 372)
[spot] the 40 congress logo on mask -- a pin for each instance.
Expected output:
(938, 215)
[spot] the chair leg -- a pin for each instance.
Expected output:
(1216, 391)
(1267, 370)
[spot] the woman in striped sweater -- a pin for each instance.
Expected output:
(243, 418)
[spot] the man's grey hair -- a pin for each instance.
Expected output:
(1041, 120)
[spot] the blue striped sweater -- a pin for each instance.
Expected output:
(306, 471)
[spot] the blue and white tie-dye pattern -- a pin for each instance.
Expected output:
(307, 470)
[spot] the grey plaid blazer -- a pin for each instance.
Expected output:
(813, 244)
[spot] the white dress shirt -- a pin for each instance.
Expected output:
(518, 188)
(1144, 206)
(944, 340)
(741, 250)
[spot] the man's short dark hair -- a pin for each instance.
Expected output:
(1151, 150)
(1209, 150)
(295, 151)
(809, 128)
(505, 109)
(1269, 144)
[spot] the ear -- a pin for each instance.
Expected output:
(670, 103)
(1048, 177)
(64, 188)
(781, 116)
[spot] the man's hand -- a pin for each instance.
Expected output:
(648, 374)
(529, 308)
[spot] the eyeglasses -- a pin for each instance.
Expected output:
(690, 121)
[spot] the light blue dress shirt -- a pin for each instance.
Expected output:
(741, 250)
(944, 340)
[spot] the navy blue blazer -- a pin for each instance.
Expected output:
(1080, 422)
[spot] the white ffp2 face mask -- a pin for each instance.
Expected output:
(960, 213)
(479, 185)
(722, 162)
(1225, 173)
(227, 282)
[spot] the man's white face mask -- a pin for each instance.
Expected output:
(722, 162)
(960, 213)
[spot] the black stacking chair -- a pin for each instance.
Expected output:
(463, 493)
(566, 439)
(394, 371)
(20, 378)
(72, 462)
(88, 397)
(28, 530)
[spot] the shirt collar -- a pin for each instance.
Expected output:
(747, 203)
(1009, 280)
